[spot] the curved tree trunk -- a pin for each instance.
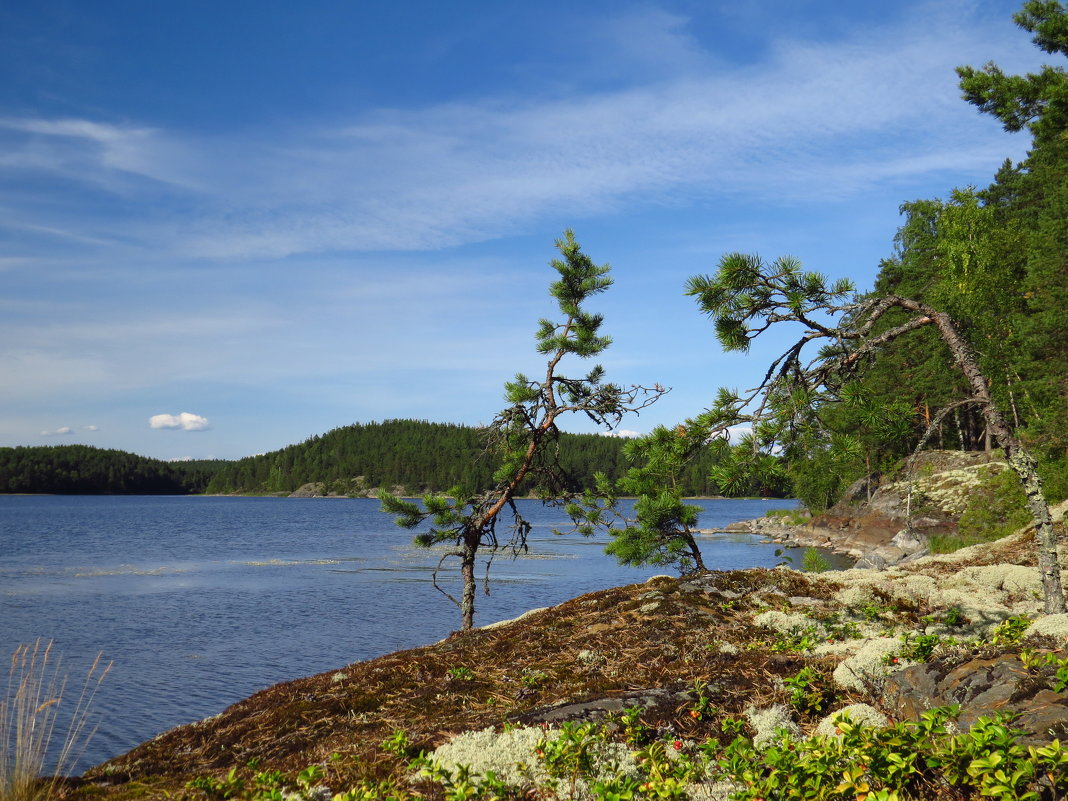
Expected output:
(695, 552)
(1019, 458)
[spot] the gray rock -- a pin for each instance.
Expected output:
(909, 541)
(600, 708)
(871, 561)
(892, 554)
(982, 688)
(912, 557)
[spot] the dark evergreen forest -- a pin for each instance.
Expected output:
(410, 454)
(418, 456)
(85, 470)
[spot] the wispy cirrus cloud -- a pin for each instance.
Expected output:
(816, 119)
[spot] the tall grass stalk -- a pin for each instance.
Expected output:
(28, 716)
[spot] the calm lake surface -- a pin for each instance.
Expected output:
(201, 601)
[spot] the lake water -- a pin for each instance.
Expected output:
(201, 601)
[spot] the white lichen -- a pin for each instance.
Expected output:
(770, 723)
(316, 793)
(870, 665)
(1004, 579)
(713, 791)
(862, 714)
(837, 648)
(512, 756)
(500, 623)
(1050, 626)
(788, 623)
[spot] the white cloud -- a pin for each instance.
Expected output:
(93, 152)
(59, 432)
(91, 428)
(625, 433)
(737, 433)
(185, 421)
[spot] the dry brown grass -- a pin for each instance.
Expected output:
(29, 713)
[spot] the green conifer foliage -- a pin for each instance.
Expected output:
(523, 439)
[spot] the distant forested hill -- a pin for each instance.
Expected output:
(85, 470)
(412, 454)
(418, 456)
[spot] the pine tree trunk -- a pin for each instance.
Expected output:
(1019, 459)
(467, 572)
(699, 563)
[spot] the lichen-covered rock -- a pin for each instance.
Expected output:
(868, 521)
(982, 688)
(501, 752)
(864, 714)
(787, 622)
(1049, 626)
(512, 756)
(870, 665)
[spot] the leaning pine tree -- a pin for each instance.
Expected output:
(747, 296)
(523, 437)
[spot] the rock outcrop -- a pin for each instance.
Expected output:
(892, 521)
(983, 687)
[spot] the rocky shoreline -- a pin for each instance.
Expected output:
(682, 656)
(675, 660)
(890, 523)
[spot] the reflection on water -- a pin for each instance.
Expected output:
(202, 601)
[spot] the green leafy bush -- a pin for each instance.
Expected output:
(996, 508)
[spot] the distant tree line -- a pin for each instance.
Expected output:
(86, 470)
(415, 455)
(419, 456)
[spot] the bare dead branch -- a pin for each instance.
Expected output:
(434, 575)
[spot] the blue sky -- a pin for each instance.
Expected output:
(230, 226)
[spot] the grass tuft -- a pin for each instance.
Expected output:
(29, 712)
